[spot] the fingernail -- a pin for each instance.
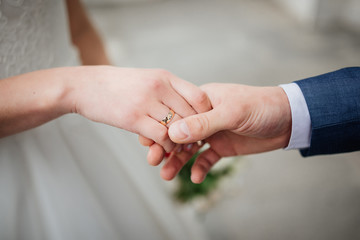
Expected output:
(181, 130)
(179, 149)
(168, 173)
(197, 179)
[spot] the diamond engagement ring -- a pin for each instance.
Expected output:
(168, 118)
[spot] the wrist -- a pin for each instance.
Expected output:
(286, 118)
(80, 87)
(31, 99)
(67, 79)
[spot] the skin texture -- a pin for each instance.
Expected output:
(96, 92)
(131, 99)
(142, 96)
(243, 120)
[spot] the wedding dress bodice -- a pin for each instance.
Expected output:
(33, 35)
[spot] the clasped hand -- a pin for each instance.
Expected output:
(242, 120)
(233, 119)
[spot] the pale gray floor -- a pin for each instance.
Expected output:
(281, 195)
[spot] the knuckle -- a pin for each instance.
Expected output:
(204, 164)
(202, 124)
(178, 163)
(162, 135)
(158, 79)
(173, 163)
(154, 83)
(128, 118)
(201, 99)
(207, 163)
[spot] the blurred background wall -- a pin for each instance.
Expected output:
(272, 196)
(325, 13)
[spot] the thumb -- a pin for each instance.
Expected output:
(196, 127)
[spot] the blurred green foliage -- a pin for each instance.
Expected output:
(188, 190)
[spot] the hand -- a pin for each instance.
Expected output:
(243, 120)
(135, 99)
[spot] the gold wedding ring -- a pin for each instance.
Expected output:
(168, 118)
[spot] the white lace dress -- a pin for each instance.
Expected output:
(71, 178)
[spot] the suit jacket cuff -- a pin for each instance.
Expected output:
(333, 100)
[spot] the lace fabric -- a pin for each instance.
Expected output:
(31, 35)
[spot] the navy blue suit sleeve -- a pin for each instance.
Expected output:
(333, 100)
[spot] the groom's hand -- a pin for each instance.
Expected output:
(243, 120)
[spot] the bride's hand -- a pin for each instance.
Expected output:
(135, 99)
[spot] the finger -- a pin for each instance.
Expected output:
(145, 141)
(174, 119)
(192, 94)
(176, 102)
(152, 129)
(155, 154)
(203, 164)
(176, 161)
(196, 127)
(161, 111)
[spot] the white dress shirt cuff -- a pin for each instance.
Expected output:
(301, 123)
